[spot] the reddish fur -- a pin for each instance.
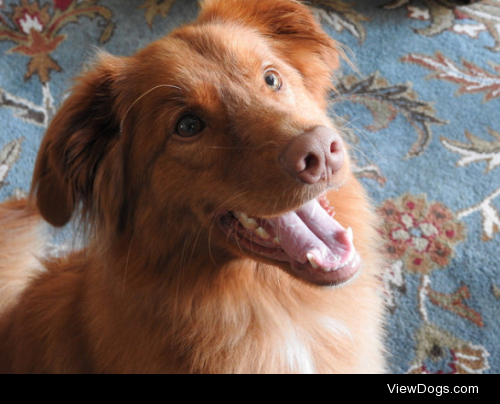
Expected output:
(159, 289)
(20, 227)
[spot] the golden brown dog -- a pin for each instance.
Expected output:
(226, 231)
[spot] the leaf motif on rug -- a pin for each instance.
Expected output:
(496, 291)
(9, 154)
(455, 303)
(156, 7)
(26, 110)
(489, 214)
(341, 17)
(369, 171)
(386, 101)
(471, 78)
(36, 30)
(445, 16)
(394, 282)
(477, 150)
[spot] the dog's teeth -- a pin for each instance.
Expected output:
(312, 260)
(350, 235)
(277, 241)
(335, 269)
(355, 257)
(247, 222)
(351, 258)
(262, 233)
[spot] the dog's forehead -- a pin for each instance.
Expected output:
(210, 67)
(220, 51)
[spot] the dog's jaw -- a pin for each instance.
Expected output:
(309, 241)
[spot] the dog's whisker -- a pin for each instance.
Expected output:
(202, 227)
(127, 263)
(184, 262)
(356, 152)
(233, 148)
(210, 243)
(142, 97)
(347, 97)
(238, 195)
(364, 133)
(148, 114)
(373, 150)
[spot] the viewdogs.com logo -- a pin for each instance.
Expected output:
(436, 390)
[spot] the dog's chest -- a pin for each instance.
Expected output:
(306, 349)
(299, 356)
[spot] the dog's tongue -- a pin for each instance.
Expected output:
(312, 235)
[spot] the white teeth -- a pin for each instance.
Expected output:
(350, 235)
(251, 224)
(248, 223)
(312, 261)
(351, 258)
(262, 233)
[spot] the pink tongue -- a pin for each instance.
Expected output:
(312, 231)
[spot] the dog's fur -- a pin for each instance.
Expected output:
(159, 288)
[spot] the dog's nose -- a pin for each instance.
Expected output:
(314, 155)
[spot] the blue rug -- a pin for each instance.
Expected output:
(422, 113)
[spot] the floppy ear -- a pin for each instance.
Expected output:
(82, 132)
(292, 30)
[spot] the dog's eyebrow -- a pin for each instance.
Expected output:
(141, 97)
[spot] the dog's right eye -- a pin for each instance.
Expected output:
(189, 126)
(273, 80)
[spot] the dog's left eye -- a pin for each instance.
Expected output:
(189, 126)
(273, 80)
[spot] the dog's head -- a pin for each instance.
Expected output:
(218, 130)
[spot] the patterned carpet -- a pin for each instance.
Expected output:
(423, 114)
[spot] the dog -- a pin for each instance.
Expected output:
(226, 232)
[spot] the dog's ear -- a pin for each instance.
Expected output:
(292, 30)
(77, 140)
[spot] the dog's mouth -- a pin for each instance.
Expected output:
(317, 247)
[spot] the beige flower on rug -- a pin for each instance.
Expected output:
(420, 234)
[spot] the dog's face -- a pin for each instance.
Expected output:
(219, 129)
(230, 108)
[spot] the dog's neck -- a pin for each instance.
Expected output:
(259, 317)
